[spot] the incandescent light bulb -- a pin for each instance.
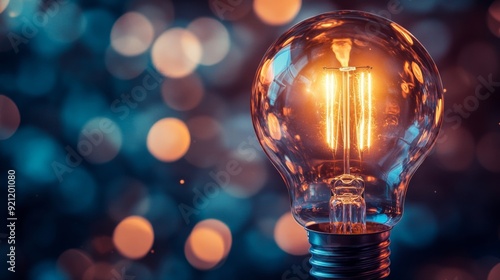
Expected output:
(347, 105)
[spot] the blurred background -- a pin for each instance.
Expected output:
(128, 126)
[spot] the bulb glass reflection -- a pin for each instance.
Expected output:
(347, 105)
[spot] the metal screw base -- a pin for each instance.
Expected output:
(349, 256)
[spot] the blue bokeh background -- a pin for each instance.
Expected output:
(60, 75)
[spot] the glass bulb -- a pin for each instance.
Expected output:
(347, 105)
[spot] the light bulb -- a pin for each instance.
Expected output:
(347, 105)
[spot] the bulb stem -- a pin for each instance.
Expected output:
(346, 121)
(349, 256)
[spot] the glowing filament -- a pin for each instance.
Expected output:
(365, 111)
(369, 130)
(349, 105)
(330, 110)
(361, 128)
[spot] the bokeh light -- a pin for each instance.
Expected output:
(9, 117)
(488, 151)
(290, 236)
(176, 53)
(133, 237)
(208, 243)
(456, 150)
(218, 204)
(494, 18)
(66, 25)
(74, 263)
(184, 93)
(15, 8)
(494, 272)
(74, 60)
(100, 140)
(132, 34)
(169, 139)
(277, 12)
(230, 9)
(159, 13)
(139, 123)
(493, 10)
(213, 37)
(3, 5)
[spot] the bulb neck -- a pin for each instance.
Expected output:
(349, 256)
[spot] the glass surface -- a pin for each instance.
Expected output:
(347, 96)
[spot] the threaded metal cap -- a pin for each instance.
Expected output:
(349, 256)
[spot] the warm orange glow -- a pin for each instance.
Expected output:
(330, 104)
(274, 126)
(132, 34)
(169, 139)
(417, 72)
(208, 244)
(344, 96)
(290, 236)
(361, 128)
(133, 237)
(176, 53)
(277, 12)
(403, 32)
(370, 113)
